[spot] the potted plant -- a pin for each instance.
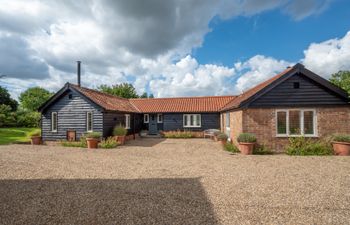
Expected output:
(246, 143)
(341, 144)
(223, 138)
(92, 139)
(36, 138)
(119, 133)
(215, 137)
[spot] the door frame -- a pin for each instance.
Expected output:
(153, 119)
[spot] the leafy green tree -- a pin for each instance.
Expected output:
(151, 96)
(144, 95)
(124, 90)
(341, 79)
(5, 99)
(7, 116)
(34, 97)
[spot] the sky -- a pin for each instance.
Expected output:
(169, 48)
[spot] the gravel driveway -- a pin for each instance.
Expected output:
(157, 181)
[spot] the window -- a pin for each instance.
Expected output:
(296, 122)
(192, 120)
(227, 119)
(296, 85)
(160, 118)
(54, 121)
(70, 96)
(89, 121)
(145, 118)
(127, 121)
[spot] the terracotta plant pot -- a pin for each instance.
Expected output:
(246, 148)
(224, 141)
(120, 139)
(341, 148)
(92, 142)
(36, 140)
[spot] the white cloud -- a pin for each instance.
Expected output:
(328, 57)
(258, 69)
(149, 41)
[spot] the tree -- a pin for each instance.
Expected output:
(151, 96)
(341, 79)
(34, 97)
(5, 99)
(124, 90)
(144, 95)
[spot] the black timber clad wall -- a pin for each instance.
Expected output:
(174, 121)
(71, 115)
(308, 94)
(112, 119)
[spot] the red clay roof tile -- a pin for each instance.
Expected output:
(254, 90)
(182, 104)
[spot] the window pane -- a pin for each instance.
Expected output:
(281, 122)
(191, 118)
(198, 120)
(308, 122)
(54, 121)
(89, 121)
(186, 120)
(294, 122)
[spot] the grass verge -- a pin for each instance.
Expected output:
(10, 135)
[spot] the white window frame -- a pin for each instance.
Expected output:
(144, 118)
(302, 132)
(159, 115)
(87, 122)
(127, 121)
(52, 122)
(194, 120)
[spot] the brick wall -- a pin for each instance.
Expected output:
(236, 126)
(261, 122)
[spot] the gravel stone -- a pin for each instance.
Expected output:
(169, 181)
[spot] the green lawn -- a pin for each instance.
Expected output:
(9, 135)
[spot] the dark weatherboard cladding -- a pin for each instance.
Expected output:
(298, 90)
(71, 110)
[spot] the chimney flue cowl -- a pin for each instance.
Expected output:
(78, 72)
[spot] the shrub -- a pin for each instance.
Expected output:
(341, 138)
(27, 118)
(110, 142)
(36, 133)
(262, 150)
(77, 144)
(119, 131)
(93, 135)
(303, 146)
(178, 134)
(246, 137)
(222, 136)
(80, 144)
(231, 147)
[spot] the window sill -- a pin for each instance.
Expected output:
(192, 126)
(287, 136)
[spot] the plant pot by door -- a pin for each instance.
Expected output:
(120, 139)
(341, 148)
(246, 148)
(92, 142)
(36, 140)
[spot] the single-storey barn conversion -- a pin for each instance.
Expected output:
(296, 102)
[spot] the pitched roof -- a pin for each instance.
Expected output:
(254, 90)
(182, 104)
(106, 101)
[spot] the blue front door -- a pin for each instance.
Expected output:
(152, 125)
